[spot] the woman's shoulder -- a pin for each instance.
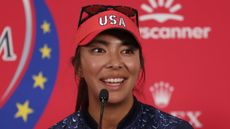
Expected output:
(152, 117)
(72, 121)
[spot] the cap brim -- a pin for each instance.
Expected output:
(92, 35)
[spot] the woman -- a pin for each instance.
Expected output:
(109, 56)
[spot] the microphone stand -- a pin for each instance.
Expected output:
(101, 114)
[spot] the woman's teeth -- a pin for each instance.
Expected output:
(114, 80)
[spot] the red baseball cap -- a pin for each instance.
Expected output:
(109, 19)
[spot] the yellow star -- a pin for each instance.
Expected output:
(45, 50)
(23, 111)
(45, 27)
(39, 80)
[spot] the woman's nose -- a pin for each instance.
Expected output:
(115, 61)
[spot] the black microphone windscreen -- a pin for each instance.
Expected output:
(104, 95)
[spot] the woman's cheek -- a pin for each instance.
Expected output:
(133, 65)
(92, 64)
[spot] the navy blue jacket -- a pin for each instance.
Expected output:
(141, 116)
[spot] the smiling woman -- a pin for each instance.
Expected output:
(109, 56)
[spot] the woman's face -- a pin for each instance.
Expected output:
(108, 63)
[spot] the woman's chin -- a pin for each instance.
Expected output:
(116, 99)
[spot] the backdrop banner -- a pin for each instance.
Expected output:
(186, 52)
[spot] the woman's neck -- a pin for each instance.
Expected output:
(113, 113)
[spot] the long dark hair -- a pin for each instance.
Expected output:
(125, 36)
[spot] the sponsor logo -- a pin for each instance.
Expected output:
(161, 17)
(162, 94)
(165, 11)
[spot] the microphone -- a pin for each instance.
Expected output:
(103, 97)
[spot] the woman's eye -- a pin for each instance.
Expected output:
(128, 51)
(98, 50)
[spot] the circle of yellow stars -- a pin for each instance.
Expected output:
(39, 80)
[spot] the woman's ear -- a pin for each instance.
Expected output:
(79, 72)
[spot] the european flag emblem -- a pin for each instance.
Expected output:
(25, 97)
